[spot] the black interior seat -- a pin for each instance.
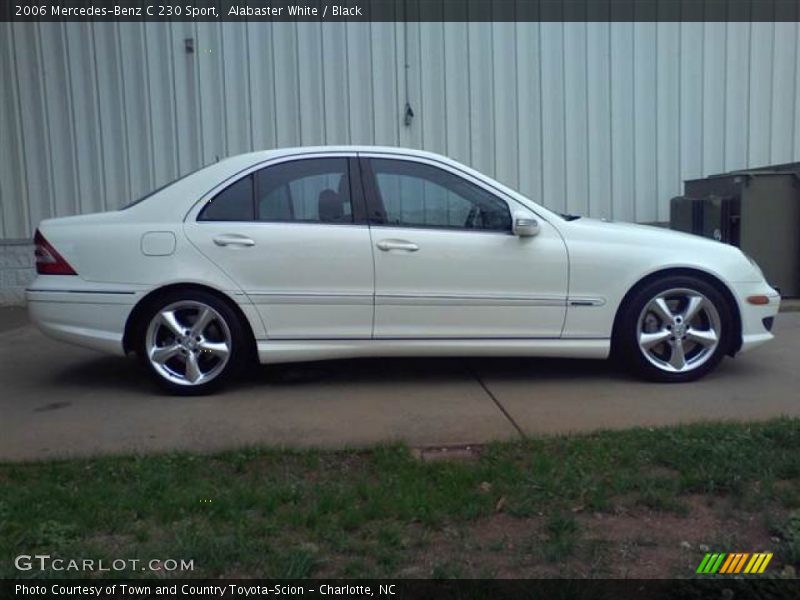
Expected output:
(331, 207)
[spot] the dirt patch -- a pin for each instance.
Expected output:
(452, 453)
(112, 544)
(636, 543)
(662, 472)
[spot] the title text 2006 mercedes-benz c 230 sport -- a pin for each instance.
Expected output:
(318, 253)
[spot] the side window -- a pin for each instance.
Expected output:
(419, 195)
(312, 190)
(234, 203)
(275, 205)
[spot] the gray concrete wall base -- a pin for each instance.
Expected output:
(17, 270)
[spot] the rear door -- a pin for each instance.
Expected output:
(293, 235)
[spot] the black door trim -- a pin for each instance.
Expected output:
(376, 213)
(357, 195)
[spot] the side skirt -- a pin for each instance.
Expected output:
(282, 351)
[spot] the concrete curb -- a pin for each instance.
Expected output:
(790, 305)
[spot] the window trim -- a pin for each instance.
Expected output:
(357, 199)
(377, 210)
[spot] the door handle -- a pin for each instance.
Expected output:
(233, 239)
(387, 245)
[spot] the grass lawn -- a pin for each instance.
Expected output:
(636, 503)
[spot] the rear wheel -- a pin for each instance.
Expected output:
(674, 330)
(191, 342)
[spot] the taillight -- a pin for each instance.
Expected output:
(48, 260)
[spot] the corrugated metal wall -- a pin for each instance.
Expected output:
(604, 119)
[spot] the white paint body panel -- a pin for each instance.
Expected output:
(470, 284)
(305, 279)
(607, 259)
(313, 292)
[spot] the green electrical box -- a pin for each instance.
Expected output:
(757, 210)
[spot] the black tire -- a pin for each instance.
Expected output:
(655, 363)
(224, 329)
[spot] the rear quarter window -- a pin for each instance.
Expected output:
(234, 203)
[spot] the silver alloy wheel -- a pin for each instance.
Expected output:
(678, 330)
(188, 343)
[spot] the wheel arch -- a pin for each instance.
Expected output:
(146, 302)
(709, 278)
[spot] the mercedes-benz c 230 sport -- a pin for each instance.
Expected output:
(333, 252)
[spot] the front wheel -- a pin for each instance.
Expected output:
(674, 330)
(191, 342)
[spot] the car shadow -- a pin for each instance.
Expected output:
(104, 373)
(114, 374)
(393, 371)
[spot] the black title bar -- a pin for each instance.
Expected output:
(400, 10)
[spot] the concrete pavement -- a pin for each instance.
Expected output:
(59, 400)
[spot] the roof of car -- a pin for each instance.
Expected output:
(278, 152)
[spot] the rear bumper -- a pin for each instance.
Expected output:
(755, 322)
(74, 311)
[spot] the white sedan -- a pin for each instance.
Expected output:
(333, 252)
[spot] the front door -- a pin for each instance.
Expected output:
(447, 264)
(293, 237)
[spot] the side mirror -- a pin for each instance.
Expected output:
(525, 226)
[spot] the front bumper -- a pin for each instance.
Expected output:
(756, 323)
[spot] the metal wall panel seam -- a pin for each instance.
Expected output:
(541, 113)
(174, 104)
(724, 102)
(372, 82)
(322, 72)
(25, 220)
(123, 103)
(747, 90)
(71, 104)
(45, 121)
(147, 86)
(796, 104)
(469, 96)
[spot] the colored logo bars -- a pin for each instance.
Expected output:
(736, 562)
